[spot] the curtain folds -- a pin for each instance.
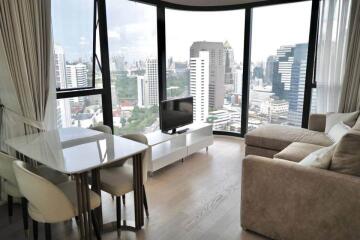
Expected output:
(25, 29)
(350, 94)
(331, 53)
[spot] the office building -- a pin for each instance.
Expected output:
(216, 70)
(199, 85)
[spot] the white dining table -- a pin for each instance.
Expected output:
(78, 151)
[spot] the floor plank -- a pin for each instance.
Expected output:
(196, 199)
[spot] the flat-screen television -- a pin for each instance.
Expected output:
(176, 113)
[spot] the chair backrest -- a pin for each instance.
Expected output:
(47, 198)
(141, 138)
(102, 128)
(6, 168)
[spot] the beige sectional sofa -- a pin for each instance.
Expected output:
(284, 200)
(270, 139)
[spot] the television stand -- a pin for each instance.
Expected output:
(168, 148)
(173, 131)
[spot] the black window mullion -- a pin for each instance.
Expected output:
(246, 72)
(310, 62)
(161, 45)
(105, 66)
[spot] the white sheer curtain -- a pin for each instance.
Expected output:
(331, 53)
(27, 78)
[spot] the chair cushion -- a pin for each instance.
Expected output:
(346, 157)
(297, 151)
(278, 137)
(320, 158)
(117, 181)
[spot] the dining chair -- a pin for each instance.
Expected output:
(107, 129)
(50, 203)
(11, 187)
(118, 181)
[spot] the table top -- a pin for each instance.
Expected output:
(75, 150)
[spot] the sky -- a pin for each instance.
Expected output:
(132, 29)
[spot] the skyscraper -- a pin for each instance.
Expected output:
(297, 85)
(288, 71)
(199, 85)
(216, 70)
(151, 85)
(229, 63)
(62, 106)
(76, 75)
(59, 60)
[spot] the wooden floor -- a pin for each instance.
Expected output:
(196, 199)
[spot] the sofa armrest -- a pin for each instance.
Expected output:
(317, 122)
(284, 200)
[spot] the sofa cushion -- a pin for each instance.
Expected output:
(334, 118)
(357, 125)
(338, 131)
(346, 157)
(297, 151)
(320, 158)
(278, 137)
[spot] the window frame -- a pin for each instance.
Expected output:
(101, 23)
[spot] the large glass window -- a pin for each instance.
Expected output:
(132, 34)
(83, 112)
(279, 49)
(204, 60)
(72, 24)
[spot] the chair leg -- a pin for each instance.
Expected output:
(123, 199)
(47, 231)
(35, 230)
(118, 212)
(24, 204)
(145, 203)
(10, 200)
(95, 225)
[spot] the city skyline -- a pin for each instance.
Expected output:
(132, 29)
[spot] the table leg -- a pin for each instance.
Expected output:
(138, 191)
(80, 208)
(84, 210)
(86, 205)
(95, 186)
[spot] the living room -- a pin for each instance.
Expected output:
(179, 119)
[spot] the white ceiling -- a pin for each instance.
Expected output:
(210, 2)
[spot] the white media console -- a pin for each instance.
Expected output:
(166, 148)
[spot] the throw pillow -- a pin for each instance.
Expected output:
(338, 131)
(334, 118)
(320, 158)
(357, 125)
(346, 157)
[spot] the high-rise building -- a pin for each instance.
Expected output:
(288, 71)
(76, 75)
(271, 66)
(59, 60)
(151, 85)
(229, 63)
(140, 90)
(199, 85)
(62, 106)
(119, 63)
(216, 70)
(297, 85)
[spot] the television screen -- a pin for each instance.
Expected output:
(176, 113)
